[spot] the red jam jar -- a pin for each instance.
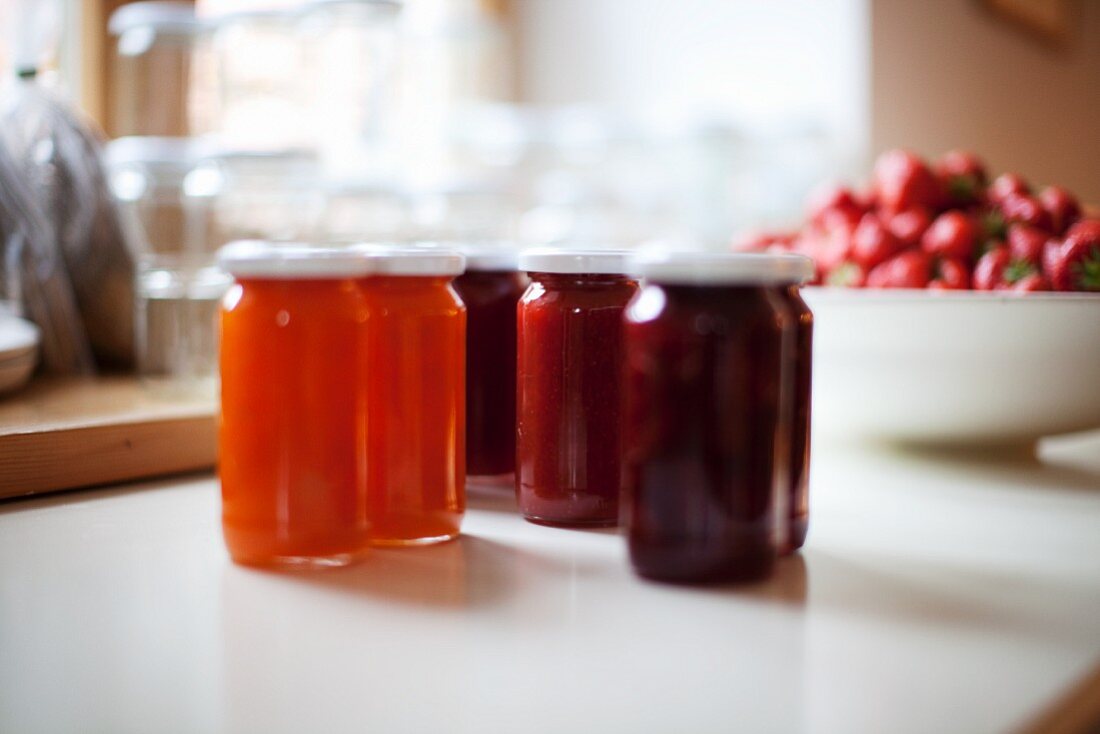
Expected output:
(799, 452)
(292, 458)
(491, 287)
(709, 347)
(569, 386)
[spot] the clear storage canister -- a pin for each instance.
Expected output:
(178, 284)
(271, 195)
(261, 79)
(349, 53)
(152, 68)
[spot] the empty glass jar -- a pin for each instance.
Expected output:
(152, 68)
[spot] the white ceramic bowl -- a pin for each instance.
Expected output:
(954, 367)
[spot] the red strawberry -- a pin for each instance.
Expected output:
(765, 242)
(1024, 209)
(1076, 265)
(953, 234)
(827, 246)
(989, 271)
(833, 219)
(1061, 206)
(834, 198)
(950, 275)
(996, 270)
(1052, 253)
(909, 225)
(1026, 243)
(962, 176)
(872, 242)
(910, 269)
(1031, 283)
(902, 180)
(847, 275)
(1005, 184)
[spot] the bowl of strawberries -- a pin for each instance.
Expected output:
(951, 308)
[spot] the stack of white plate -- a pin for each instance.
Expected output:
(18, 352)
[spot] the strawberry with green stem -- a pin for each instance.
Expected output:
(949, 274)
(910, 269)
(953, 234)
(1061, 206)
(996, 270)
(1075, 265)
(963, 177)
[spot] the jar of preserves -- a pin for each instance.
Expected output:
(490, 288)
(293, 449)
(415, 389)
(709, 353)
(801, 365)
(569, 386)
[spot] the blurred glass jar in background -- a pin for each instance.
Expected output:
(349, 50)
(152, 67)
(178, 286)
(270, 195)
(454, 55)
(465, 211)
(358, 211)
(262, 87)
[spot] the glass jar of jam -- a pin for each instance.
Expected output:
(799, 470)
(709, 344)
(490, 288)
(293, 461)
(414, 395)
(569, 386)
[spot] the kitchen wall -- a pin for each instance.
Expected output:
(931, 75)
(945, 73)
(766, 64)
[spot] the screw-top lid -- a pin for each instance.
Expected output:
(290, 261)
(175, 17)
(562, 260)
(152, 150)
(486, 257)
(425, 260)
(723, 268)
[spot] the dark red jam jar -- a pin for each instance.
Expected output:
(490, 288)
(799, 451)
(709, 376)
(569, 386)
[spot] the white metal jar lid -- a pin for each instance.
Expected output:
(173, 17)
(425, 260)
(262, 259)
(723, 268)
(562, 260)
(487, 257)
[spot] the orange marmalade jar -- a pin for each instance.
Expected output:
(292, 441)
(415, 395)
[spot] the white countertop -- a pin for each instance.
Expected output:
(934, 595)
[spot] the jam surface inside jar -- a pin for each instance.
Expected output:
(291, 457)
(569, 393)
(703, 430)
(415, 396)
(490, 297)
